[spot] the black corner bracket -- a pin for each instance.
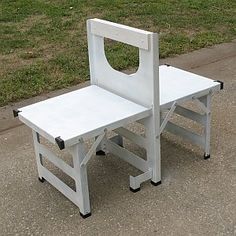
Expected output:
(166, 64)
(60, 142)
(15, 112)
(221, 83)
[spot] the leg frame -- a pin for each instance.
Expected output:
(151, 167)
(203, 141)
(78, 172)
(207, 128)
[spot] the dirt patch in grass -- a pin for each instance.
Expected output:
(23, 58)
(32, 20)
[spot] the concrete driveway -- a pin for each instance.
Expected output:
(196, 197)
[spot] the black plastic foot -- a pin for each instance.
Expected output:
(86, 215)
(206, 156)
(100, 153)
(41, 179)
(155, 183)
(134, 190)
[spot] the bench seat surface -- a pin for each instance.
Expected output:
(89, 110)
(177, 84)
(85, 111)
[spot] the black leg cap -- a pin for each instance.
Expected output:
(134, 190)
(100, 153)
(155, 183)
(206, 156)
(86, 215)
(41, 179)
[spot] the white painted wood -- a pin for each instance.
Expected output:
(125, 34)
(207, 126)
(137, 180)
(38, 155)
(137, 87)
(57, 161)
(60, 186)
(185, 134)
(153, 146)
(192, 115)
(81, 180)
(167, 118)
(127, 156)
(101, 145)
(118, 139)
(135, 138)
(92, 149)
(85, 112)
(113, 100)
(70, 123)
(202, 106)
(179, 85)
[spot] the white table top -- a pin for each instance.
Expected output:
(86, 111)
(177, 84)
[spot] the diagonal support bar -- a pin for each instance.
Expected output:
(167, 118)
(202, 106)
(92, 149)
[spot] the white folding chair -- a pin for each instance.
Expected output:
(113, 100)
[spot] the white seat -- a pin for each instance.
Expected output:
(177, 85)
(81, 113)
(91, 117)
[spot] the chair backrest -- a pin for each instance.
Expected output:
(141, 87)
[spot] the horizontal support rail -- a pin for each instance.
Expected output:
(135, 138)
(118, 140)
(56, 161)
(60, 186)
(125, 34)
(186, 134)
(137, 180)
(127, 156)
(192, 97)
(192, 115)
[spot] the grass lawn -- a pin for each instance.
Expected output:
(43, 43)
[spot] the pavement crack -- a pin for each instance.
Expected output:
(3, 131)
(211, 62)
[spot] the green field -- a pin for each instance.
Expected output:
(43, 44)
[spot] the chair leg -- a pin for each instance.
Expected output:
(207, 129)
(81, 180)
(39, 158)
(153, 149)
